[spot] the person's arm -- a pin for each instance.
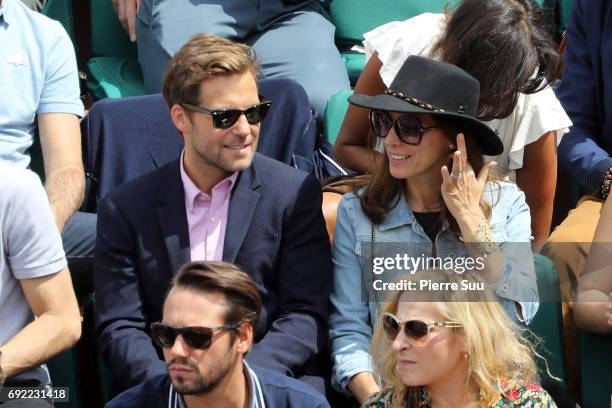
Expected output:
(351, 147)
(350, 332)
(303, 283)
(120, 322)
(363, 386)
(580, 152)
(34, 254)
(60, 139)
(58, 113)
(508, 265)
(56, 328)
(538, 179)
(126, 13)
(592, 307)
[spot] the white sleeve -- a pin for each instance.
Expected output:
(396, 41)
(535, 115)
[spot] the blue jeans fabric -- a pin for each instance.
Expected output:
(290, 39)
(79, 239)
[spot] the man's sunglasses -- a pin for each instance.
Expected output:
(226, 118)
(407, 127)
(195, 337)
(416, 331)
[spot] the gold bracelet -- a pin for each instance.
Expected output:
(483, 239)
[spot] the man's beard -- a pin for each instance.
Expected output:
(202, 385)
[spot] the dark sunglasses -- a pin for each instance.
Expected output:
(195, 337)
(226, 118)
(407, 127)
(416, 331)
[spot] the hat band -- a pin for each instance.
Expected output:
(416, 102)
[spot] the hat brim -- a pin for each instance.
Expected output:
(487, 139)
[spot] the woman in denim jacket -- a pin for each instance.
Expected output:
(431, 199)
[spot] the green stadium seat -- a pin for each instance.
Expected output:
(334, 114)
(64, 372)
(548, 322)
(353, 18)
(113, 68)
(61, 10)
(565, 7)
(596, 369)
(114, 77)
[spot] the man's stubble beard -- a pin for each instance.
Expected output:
(202, 385)
(217, 161)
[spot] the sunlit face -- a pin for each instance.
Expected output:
(425, 159)
(195, 371)
(227, 150)
(440, 359)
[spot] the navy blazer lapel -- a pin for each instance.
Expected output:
(241, 210)
(172, 217)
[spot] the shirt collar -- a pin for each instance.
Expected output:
(256, 400)
(192, 192)
(401, 215)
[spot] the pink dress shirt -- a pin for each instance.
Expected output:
(207, 217)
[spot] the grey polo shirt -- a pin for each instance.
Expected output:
(31, 244)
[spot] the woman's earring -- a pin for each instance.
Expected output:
(466, 355)
(451, 147)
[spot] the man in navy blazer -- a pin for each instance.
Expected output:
(219, 201)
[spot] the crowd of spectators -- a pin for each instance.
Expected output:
(219, 281)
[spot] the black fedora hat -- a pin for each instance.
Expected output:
(436, 88)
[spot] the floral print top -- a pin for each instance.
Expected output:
(519, 396)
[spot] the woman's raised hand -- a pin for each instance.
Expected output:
(461, 189)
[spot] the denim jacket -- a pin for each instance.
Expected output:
(352, 319)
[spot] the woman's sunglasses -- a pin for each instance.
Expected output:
(416, 331)
(195, 337)
(407, 127)
(226, 118)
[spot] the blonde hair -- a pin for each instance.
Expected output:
(203, 56)
(498, 349)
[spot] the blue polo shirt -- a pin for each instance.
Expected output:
(38, 74)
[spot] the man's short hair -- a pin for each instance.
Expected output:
(241, 292)
(203, 56)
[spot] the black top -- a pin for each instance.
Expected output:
(430, 223)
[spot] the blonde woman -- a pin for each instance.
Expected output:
(452, 348)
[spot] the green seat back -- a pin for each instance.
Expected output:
(113, 69)
(60, 10)
(565, 11)
(334, 114)
(114, 77)
(108, 38)
(64, 372)
(548, 322)
(355, 63)
(596, 369)
(352, 18)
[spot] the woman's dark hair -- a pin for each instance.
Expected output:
(502, 43)
(383, 191)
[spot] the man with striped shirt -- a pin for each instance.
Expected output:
(209, 319)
